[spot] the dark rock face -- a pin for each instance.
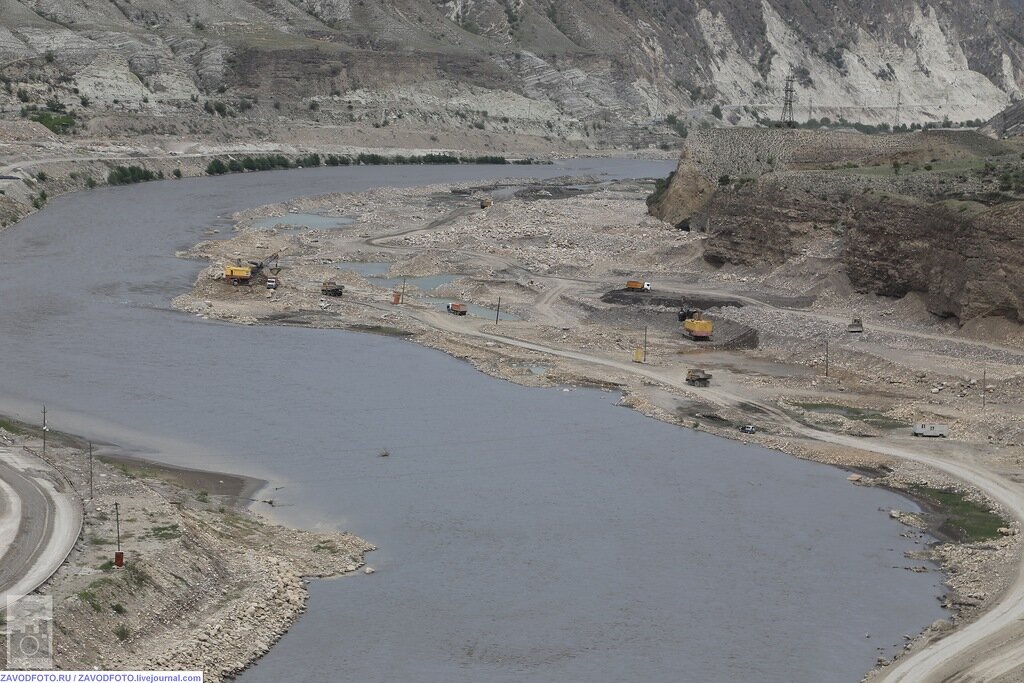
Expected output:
(969, 267)
(895, 248)
(779, 193)
(762, 227)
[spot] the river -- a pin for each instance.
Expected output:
(525, 534)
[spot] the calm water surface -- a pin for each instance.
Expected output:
(525, 534)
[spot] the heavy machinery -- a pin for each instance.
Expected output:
(638, 286)
(457, 308)
(240, 273)
(685, 312)
(855, 327)
(331, 288)
(697, 327)
(697, 377)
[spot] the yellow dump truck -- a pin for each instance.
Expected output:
(238, 275)
(698, 328)
(698, 377)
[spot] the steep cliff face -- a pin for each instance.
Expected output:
(608, 62)
(932, 212)
(968, 267)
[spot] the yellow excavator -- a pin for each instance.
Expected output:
(239, 273)
(695, 325)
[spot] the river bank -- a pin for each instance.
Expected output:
(207, 583)
(553, 252)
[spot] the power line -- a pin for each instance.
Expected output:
(787, 106)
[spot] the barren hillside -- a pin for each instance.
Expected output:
(590, 70)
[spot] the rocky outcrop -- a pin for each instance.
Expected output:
(968, 267)
(766, 196)
(1008, 123)
(763, 226)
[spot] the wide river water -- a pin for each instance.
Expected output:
(525, 534)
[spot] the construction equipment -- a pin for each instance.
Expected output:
(855, 327)
(271, 283)
(331, 288)
(240, 273)
(486, 203)
(457, 309)
(697, 327)
(697, 377)
(685, 313)
(638, 286)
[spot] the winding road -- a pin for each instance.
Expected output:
(40, 520)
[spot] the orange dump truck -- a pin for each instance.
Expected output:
(457, 309)
(638, 286)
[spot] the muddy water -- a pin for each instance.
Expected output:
(526, 535)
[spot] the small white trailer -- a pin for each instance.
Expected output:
(931, 429)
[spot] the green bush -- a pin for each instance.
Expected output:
(128, 175)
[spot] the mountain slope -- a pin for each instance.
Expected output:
(575, 61)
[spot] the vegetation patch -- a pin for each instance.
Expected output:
(129, 175)
(165, 532)
(57, 122)
(89, 598)
(272, 162)
(966, 520)
(871, 417)
(660, 187)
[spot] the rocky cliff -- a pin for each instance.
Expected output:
(575, 68)
(969, 267)
(938, 213)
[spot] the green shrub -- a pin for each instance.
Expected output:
(128, 175)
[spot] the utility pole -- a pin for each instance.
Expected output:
(645, 343)
(117, 518)
(401, 298)
(899, 104)
(810, 109)
(826, 357)
(90, 470)
(984, 389)
(497, 312)
(45, 429)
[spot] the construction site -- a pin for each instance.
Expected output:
(748, 309)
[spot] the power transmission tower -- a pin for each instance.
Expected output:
(787, 106)
(899, 103)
